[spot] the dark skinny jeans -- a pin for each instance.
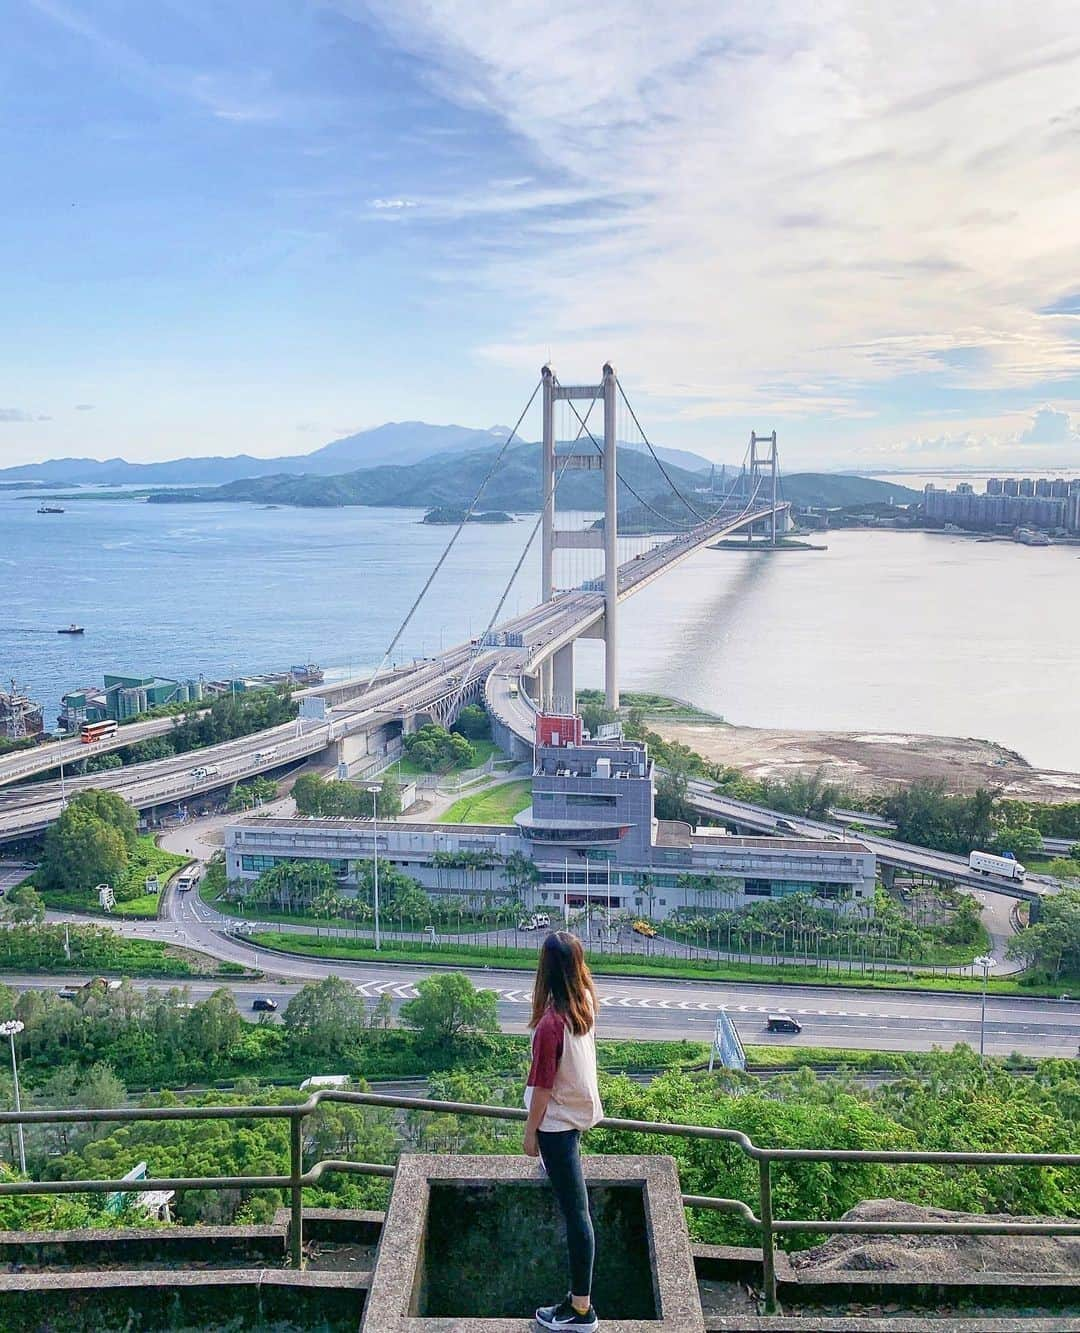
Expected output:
(561, 1152)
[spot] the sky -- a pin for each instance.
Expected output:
(258, 227)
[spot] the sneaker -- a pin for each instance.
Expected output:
(564, 1315)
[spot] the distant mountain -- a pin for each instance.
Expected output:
(447, 481)
(832, 489)
(397, 442)
(826, 490)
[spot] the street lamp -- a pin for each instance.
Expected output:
(986, 962)
(11, 1029)
(375, 864)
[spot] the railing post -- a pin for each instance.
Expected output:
(296, 1190)
(768, 1241)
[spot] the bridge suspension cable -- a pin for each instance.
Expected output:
(478, 647)
(655, 456)
(666, 518)
(453, 539)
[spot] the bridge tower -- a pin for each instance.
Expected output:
(764, 465)
(557, 675)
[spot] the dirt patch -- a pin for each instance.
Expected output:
(950, 1257)
(872, 761)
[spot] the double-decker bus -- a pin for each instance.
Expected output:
(96, 731)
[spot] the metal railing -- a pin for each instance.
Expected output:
(766, 1223)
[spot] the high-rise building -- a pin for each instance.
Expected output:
(993, 485)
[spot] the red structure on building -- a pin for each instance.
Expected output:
(558, 729)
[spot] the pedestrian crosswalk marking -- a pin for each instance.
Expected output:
(515, 995)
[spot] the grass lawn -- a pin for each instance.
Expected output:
(654, 706)
(457, 954)
(95, 950)
(494, 805)
(146, 858)
(1061, 867)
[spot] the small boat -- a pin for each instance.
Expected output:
(49, 509)
(72, 629)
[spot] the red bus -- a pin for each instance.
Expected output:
(96, 731)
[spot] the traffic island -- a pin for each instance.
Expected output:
(477, 1243)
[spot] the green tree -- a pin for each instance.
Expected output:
(102, 763)
(388, 799)
(292, 886)
(448, 1007)
(307, 792)
(1022, 842)
(1052, 945)
(594, 715)
(435, 749)
(81, 850)
(520, 873)
(473, 723)
(672, 797)
(24, 905)
(153, 748)
(213, 1025)
(326, 1017)
(256, 791)
(927, 814)
(111, 809)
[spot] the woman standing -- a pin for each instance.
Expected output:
(563, 1100)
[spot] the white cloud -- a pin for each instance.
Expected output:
(1032, 439)
(1050, 427)
(837, 192)
(14, 414)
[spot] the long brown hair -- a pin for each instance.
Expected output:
(564, 982)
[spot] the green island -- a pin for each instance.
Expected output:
(450, 514)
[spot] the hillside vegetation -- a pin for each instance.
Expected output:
(516, 486)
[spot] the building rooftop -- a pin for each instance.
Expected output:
(672, 833)
(364, 824)
(721, 841)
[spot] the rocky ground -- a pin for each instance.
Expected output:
(949, 1257)
(872, 761)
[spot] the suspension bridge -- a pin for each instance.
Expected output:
(517, 665)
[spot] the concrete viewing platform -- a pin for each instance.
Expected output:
(469, 1244)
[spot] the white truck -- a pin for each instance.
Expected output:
(1007, 867)
(209, 771)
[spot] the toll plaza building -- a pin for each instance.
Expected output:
(592, 835)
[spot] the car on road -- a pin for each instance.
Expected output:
(67, 993)
(783, 1023)
(540, 921)
(645, 928)
(785, 826)
(263, 1004)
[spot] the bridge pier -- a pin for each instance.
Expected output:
(563, 693)
(611, 546)
(545, 685)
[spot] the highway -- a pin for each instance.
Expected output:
(638, 1007)
(902, 855)
(669, 1010)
